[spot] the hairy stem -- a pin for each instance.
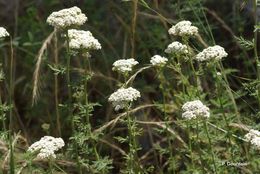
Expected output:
(133, 159)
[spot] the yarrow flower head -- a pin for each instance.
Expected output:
(66, 18)
(177, 48)
(47, 146)
(158, 60)
(123, 97)
(79, 39)
(3, 32)
(195, 109)
(183, 28)
(211, 53)
(253, 136)
(124, 65)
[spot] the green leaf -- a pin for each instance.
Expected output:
(248, 45)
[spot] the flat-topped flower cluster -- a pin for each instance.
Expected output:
(124, 65)
(253, 136)
(211, 53)
(176, 48)
(183, 28)
(195, 109)
(123, 97)
(80, 39)
(67, 18)
(158, 60)
(47, 146)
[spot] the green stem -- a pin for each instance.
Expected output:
(255, 49)
(190, 144)
(50, 162)
(129, 125)
(69, 82)
(56, 85)
(230, 93)
(11, 93)
(86, 90)
(224, 115)
(70, 100)
(132, 144)
(210, 144)
(197, 79)
(165, 116)
(198, 142)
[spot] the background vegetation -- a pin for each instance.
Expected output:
(125, 30)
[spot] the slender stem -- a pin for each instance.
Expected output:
(86, 88)
(96, 152)
(166, 118)
(69, 82)
(210, 144)
(11, 93)
(198, 141)
(70, 100)
(56, 85)
(132, 144)
(224, 115)
(230, 93)
(50, 166)
(255, 49)
(129, 125)
(194, 71)
(190, 144)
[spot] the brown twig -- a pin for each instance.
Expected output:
(115, 120)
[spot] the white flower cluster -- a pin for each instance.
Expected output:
(176, 47)
(158, 60)
(79, 39)
(253, 137)
(124, 65)
(123, 97)
(3, 32)
(211, 53)
(183, 28)
(194, 109)
(47, 146)
(67, 18)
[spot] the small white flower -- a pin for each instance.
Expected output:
(67, 18)
(3, 32)
(211, 53)
(253, 136)
(158, 60)
(183, 28)
(195, 109)
(123, 97)
(47, 146)
(219, 74)
(177, 48)
(124, 65)
(79, 39)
